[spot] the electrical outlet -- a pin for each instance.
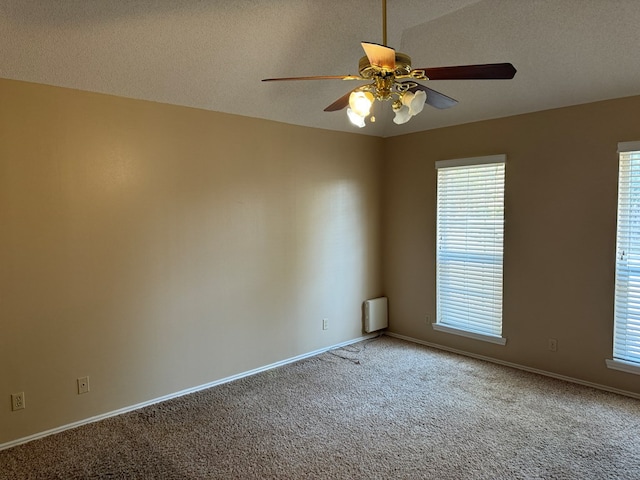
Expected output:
(325, 323)
(427, 319)
(553, 345)
(17, 401)
(83, 385)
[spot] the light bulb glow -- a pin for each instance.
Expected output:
(360, 103)
(356, 119)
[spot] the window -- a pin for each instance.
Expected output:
(626, 331)
(470, 231)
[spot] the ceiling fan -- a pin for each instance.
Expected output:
(391, 77)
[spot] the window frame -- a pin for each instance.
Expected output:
(439, 325)
(621, 359)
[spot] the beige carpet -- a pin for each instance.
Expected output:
(380, 409)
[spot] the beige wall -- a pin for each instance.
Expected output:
(156, 248)
(560, 220)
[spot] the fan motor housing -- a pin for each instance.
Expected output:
(403, 66)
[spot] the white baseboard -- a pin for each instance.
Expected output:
(181, 393)
(515, 365)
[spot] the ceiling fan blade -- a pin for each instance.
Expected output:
(380, 56)
(339, 104)
(435, 99)
(490, 71)
(320, 77)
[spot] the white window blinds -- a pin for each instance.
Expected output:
(470, 232)
(626, 341)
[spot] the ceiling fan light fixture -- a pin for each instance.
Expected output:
(360, 103)
(356, 119)
(415, 101)
(409, 105)
(403, 115)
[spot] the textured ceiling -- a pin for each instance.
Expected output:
(212, 54)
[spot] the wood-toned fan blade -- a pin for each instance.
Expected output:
(380, 56)
(490, 71)
(339, 104)
(321, 77)
(436, 99)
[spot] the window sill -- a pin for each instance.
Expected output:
(623, 366)
(465, 333)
